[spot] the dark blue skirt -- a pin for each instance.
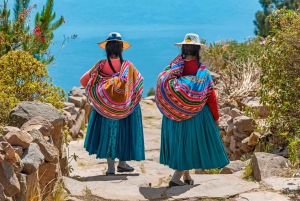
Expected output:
(193, 143)
(122, 139)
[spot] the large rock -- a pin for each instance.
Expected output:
(253, 103)
(79, 123)
(49, 151)
(30, 189)
(7, 152)
(265, 165)
(225, 110)
(235, 113)
(8, 179)
(229, 129)
(19, 138)
(26, 110)
(32, 158)
(239, 135)
(244, 124)
(245, 147)
(68, 119)
(18, 166)
(77, 91)
(70, 107)
(63, 163)
(39, 123)
(49, 174)
(21, 196)
(223, 121)
(234, 166)
(7, 129)
(78, 101)
(254, 139)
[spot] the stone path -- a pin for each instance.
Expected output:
(150, 179)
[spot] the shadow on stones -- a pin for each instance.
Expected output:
(161, 193)
(109, 178)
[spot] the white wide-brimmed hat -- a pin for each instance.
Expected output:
(114, 36)
(191, 39)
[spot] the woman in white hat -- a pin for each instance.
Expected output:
(115, 126)
(185, 95)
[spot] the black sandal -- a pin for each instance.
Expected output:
(171, 184)
(189, 182)
(109, 174)
(121, 169)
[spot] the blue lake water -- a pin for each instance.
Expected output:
(152, 27)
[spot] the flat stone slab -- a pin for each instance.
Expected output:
(136, 185)
(279, 183)
(262, 196)
(148, 181)
(212, 186)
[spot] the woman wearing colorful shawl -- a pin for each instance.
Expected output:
(115, 126)
(185, 95)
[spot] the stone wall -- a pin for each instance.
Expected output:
(238, 131)
(77, 111)
(32, 155)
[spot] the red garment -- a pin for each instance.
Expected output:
(106, 69)
(212, 103)
(191, 68)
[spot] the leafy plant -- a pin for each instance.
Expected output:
(261, 22)
(280, 80)
(151, 92)
(16, 34)
(237, 65)
(23, 78)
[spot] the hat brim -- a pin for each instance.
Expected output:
(185, 43)
(126, 45)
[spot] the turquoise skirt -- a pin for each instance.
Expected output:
(193, 143)
(122, 139)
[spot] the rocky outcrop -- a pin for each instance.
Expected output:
(31, 152)
(237, 132)
(255, 105)
(77, 111)
(234, 166)
(26, 110)
(265, 165)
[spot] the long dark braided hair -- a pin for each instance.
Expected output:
(114, 48)
(192, 50)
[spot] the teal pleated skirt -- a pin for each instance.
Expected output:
(193, 143)
(122, 139)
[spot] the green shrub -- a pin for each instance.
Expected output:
(237, 65)
(280, 82)
(17, 34)
(23, 78)
(151, 92)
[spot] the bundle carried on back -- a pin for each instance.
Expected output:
(182, 97)
(115, 96)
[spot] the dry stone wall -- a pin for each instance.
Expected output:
(31, 151)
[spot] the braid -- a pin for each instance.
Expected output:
(183, 52)
(110, 64)
(121, 58)
(198, 60)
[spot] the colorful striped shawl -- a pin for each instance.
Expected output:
(115, 96)
(182, 97)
